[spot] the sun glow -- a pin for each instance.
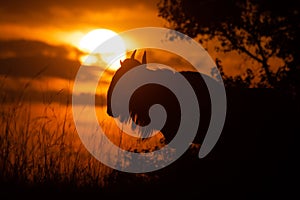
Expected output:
(108, 55)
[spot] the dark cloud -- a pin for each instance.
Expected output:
(42, 12)
(20, 58)
(42, 66)
(31, 6)
(27, 58)
(25, 64)
(28, 48)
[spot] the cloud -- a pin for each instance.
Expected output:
(41, 66)
(48, 12)
(20, 58)
(33, 6)
(33, 71)
(27, 48)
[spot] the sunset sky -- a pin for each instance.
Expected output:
(39, 42)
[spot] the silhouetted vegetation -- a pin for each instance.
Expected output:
(43, 152)
(264, 31)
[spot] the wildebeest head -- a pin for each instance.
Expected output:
(125, 66)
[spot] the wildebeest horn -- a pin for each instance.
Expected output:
(144, 60)
(133, 54)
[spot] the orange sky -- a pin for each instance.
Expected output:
(67, 21)
(34, 35)
(44, 26)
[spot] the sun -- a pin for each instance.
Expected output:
(101, 53)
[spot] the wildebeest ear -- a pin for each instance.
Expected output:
(121, 63)
(144, 60)
(133, 54)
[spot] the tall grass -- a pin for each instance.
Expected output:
(45, 149)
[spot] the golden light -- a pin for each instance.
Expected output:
(109, 55)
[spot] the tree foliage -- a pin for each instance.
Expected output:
(262, 30)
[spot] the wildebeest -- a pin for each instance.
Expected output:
(256, 149)
(258, 138)
(147, 95)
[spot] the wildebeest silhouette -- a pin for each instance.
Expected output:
(149, 94)
(256, 149)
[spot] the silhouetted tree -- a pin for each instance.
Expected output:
(260, 29)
